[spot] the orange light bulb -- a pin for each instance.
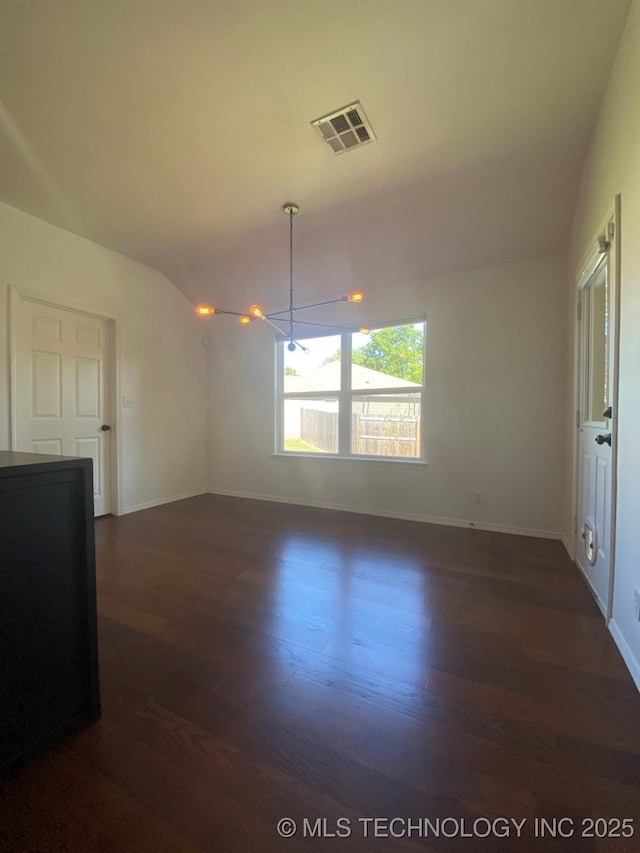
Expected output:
(205, 310)
(244, 319)
(364, 330)
(356, 296)
(256, 311)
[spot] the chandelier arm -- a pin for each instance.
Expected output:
(322, 325)
(234, 313)
(271, 323)
(317, 304)
(304, 307)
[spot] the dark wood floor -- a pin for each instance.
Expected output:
(262, 661)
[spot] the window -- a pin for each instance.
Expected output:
(596, 303)
(354, 394)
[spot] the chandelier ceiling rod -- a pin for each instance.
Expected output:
(291, 210)
(275, 317)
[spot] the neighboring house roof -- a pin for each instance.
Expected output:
(326, 377)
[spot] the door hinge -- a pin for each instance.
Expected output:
(577, 417)
(575, 524)
(611, 230)
(579, 310)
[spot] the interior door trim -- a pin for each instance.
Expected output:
(18, 294)
(590, 263)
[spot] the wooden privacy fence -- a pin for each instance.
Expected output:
(371, 435)
(385, 435)
(320, 429)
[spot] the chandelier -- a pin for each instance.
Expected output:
(285, 322)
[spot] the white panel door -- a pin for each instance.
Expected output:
(62, 388)
(593, 541)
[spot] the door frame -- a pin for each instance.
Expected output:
(586, 269)
(18, 294)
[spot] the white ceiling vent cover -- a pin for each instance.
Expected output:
(345, 129)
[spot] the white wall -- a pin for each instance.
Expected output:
(162, 363)
(613, 166)
(494, 407)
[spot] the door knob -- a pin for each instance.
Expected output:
(604, 439)
(106, 428)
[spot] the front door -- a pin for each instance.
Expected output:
(62, 388)
(595, 425)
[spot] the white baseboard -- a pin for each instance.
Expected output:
(160, 501)
(633, 665)
(568, 545)
(591, 589)
(403, 516)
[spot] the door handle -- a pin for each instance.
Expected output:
(604, 439)
(106, 428)
(607, 413)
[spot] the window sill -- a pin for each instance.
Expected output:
(371, 460)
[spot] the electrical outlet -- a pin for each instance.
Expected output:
(636, 603)
(478, 498)
(128, 402)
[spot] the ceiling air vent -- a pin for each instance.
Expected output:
(345, 129)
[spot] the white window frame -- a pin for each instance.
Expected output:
(345, 397)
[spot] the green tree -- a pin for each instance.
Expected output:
(290, 371)
(396, 350)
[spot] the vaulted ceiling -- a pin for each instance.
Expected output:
(174, 130)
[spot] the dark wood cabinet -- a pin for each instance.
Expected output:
(48, 641)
